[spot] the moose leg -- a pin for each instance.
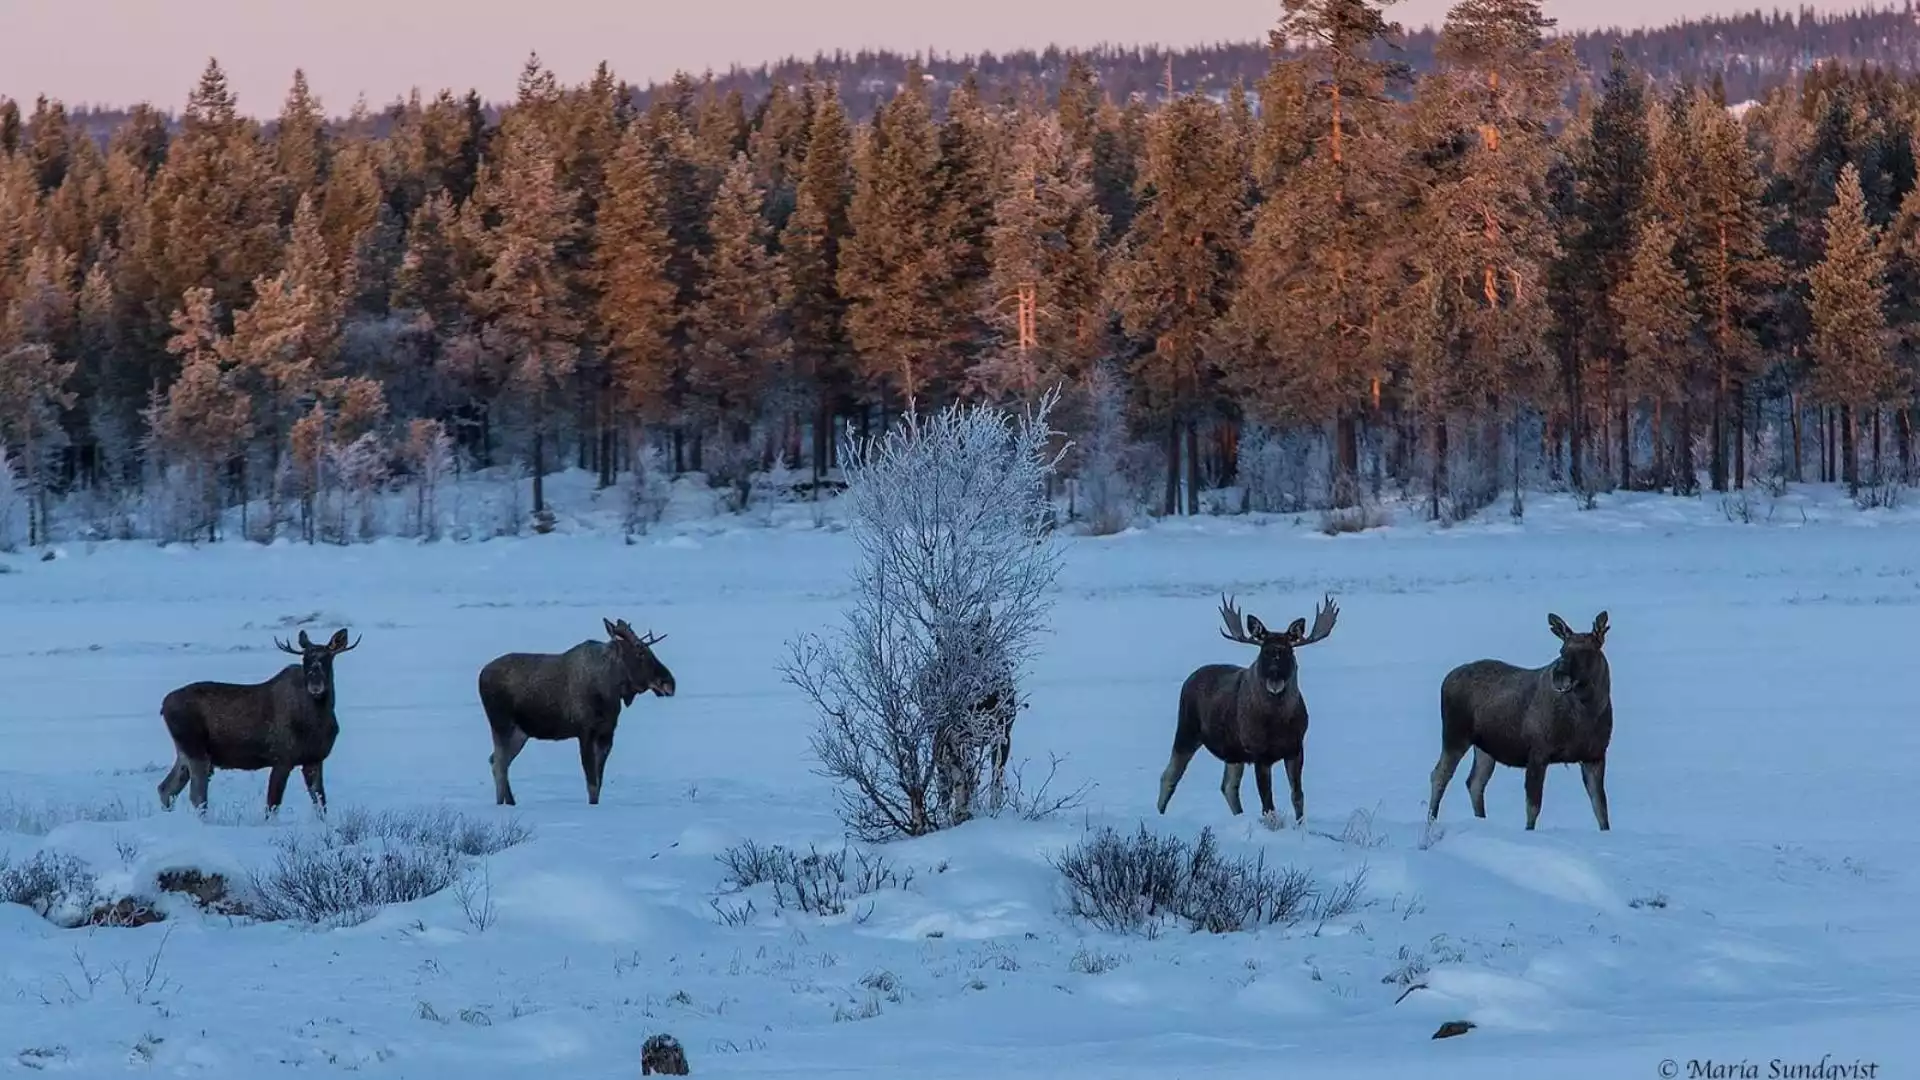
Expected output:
(1594, 775)
(602, 746)
(1443, 771)
(1230, 784)
(1170, 776)
(1536, 788)
(588, 758)
(504, 751)
(199, 771)
(1294, 764)
(1482, 772)
(311, 776)
(1263, 783)
(277, 787)
(173, 783)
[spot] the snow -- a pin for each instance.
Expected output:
(1753, 900)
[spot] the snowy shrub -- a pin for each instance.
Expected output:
(952, 521)
(360, 468)
(341, 873)
(648, 488)
(57, 886)
(40, 818)
(1105, 493)
(429, 455)
(1364, 515)
(13, 504)
(816, 883)
(1141, 883)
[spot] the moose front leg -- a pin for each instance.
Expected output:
(312, 776)
(173, 783)
(588, 756)
(1477, 779)
(1263, 783)
(1294, 766)
(1536, 789)
(1594, 775)
(199, 775)
(277, 787)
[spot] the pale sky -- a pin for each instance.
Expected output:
(120, 51)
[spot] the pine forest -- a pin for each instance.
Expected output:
(1339, 281)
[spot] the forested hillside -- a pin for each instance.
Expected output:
(1437, 279)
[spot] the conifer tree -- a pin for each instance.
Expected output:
(300, 143)
(1658, 333)
(639, 301)
(738, 351)
(36, 372)
(810, 248)
(1853, 364)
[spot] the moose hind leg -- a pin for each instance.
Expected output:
(1477, 777)
(315, 780)
(1170, 776)
(199, 773)
(602, 747)
(1594, 775)
(1230, 784)
(588, 758)
(1536, 789)
(1443, 771)
(173, 783)
(504, 751)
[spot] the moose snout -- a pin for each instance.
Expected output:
(663, 687)
(1559, 679)
(1275, 686)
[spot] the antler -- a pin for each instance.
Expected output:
(1235, 631)
(652, 639)
(1323, 617)
(349, 648)
(286, 648)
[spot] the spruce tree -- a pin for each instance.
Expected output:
(639, 301)
(1658, 331)
(1853, 363)
(738, 350)
(810, 247)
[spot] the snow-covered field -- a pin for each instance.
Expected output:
(1754, 900)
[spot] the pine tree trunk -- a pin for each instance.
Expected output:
(822, 435)
(1439, 486)
(1193, 468)
(1903, 432)
(1173, 468)
(1879, 463)
(1347, 470)
(1626, 442)
(539, 468)
(1740, 440)
(1684, 474)
(1797, 419)
(1717, 463)
(1659, 444)
(1849, 453)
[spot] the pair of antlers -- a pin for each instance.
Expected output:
(619, 630)
(1293, 636)
(337, 646)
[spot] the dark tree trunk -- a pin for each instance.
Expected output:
(1173, 468)
(539, 469)
(1626, 442)
(1440, 451)
(1193, 468)
(1347, 459)
(1849, 452)
(1740, 440)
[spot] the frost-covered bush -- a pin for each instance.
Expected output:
(57, 886)
(340, 874)
(817, 882)
(1139, 884)
(14, 508)
(952, 520)
(648, 488)
(1106, 493)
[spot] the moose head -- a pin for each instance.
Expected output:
(316, 661)
(1275, 664)
(1581, 663)
(643, 671)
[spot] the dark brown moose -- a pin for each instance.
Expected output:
(577, 694)
(1251, 715)
(279, 724)
(1530, 718)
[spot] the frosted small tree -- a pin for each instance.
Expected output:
(952, 521)
(1105, 493)
(13, 503)
(429, 454)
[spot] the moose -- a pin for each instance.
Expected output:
(978, 663)
(577, 694)
(284, 722)
(1249, 715)
(1558, 714)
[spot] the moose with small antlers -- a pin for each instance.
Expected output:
(577, 694)
(1529, 718)
(1253, 715)
(284, 722)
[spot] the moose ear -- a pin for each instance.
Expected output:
(1558, 625)
(305, 642)
(1298, 630)
(339, 640)
(1255, 628)
(1600, 625)
(611, 632)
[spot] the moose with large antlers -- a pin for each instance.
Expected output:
(1253, 715)
(577, 694)
(284, 722)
